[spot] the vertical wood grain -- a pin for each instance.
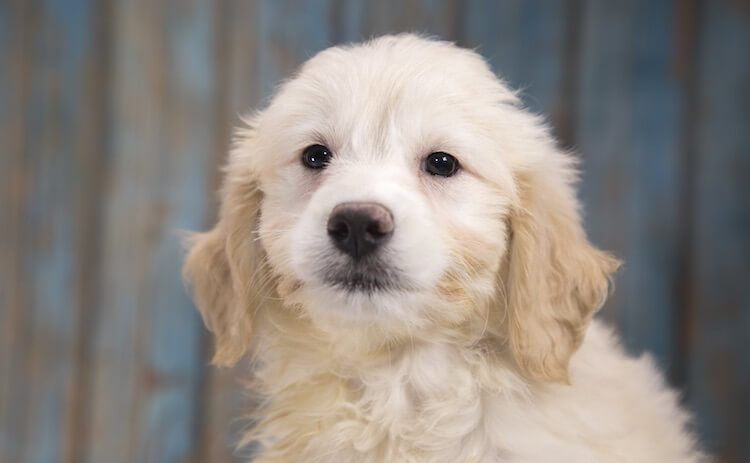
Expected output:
(525, 43)
(147, 362)
(15, 25)
(628, 133)
(719, 290)
(434, 18)
(289, 32)
(360, 20)
(50, 180)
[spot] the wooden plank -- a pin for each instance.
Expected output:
(525, 43)
(289, 33)
(147, 362)
(438, 18)
(719, 290)
(358, 20)
(628, 133)
(52, 187)
(15, 23)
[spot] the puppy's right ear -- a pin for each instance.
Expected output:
(224, 267)
(557, 279)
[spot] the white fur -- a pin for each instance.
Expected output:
(486, 352)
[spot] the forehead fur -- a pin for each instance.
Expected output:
(398, 91)
(400, 68)
(388, 77)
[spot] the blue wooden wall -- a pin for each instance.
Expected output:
(114, 116)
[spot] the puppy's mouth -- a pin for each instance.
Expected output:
(367, 276)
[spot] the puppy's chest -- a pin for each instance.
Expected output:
(422, 404)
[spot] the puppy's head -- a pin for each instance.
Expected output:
(398, 184)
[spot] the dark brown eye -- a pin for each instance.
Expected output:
(316, 157)
(440, 163)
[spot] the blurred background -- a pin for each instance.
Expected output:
(114, 116)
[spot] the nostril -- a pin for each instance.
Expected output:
(378, 223)
(378, 229)
(338, 230)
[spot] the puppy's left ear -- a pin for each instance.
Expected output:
(217, 294)
(556, 279)
(225, 266)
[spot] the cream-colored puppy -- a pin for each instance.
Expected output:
(400, 248)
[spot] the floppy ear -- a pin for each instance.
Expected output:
(556, 278)
(225, 268)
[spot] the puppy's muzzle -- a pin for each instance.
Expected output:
(360, 228)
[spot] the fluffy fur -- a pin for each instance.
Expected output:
(484, 348)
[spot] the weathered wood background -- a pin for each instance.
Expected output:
(114, 116)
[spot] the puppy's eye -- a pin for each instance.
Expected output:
(440, 163)
(316, 156)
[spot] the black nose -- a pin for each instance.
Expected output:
(359, 228)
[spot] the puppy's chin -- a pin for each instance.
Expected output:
(366, 277)
(365, 298)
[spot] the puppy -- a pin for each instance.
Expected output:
(400, 247)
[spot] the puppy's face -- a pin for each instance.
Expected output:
(386, 183)
(384, 194)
